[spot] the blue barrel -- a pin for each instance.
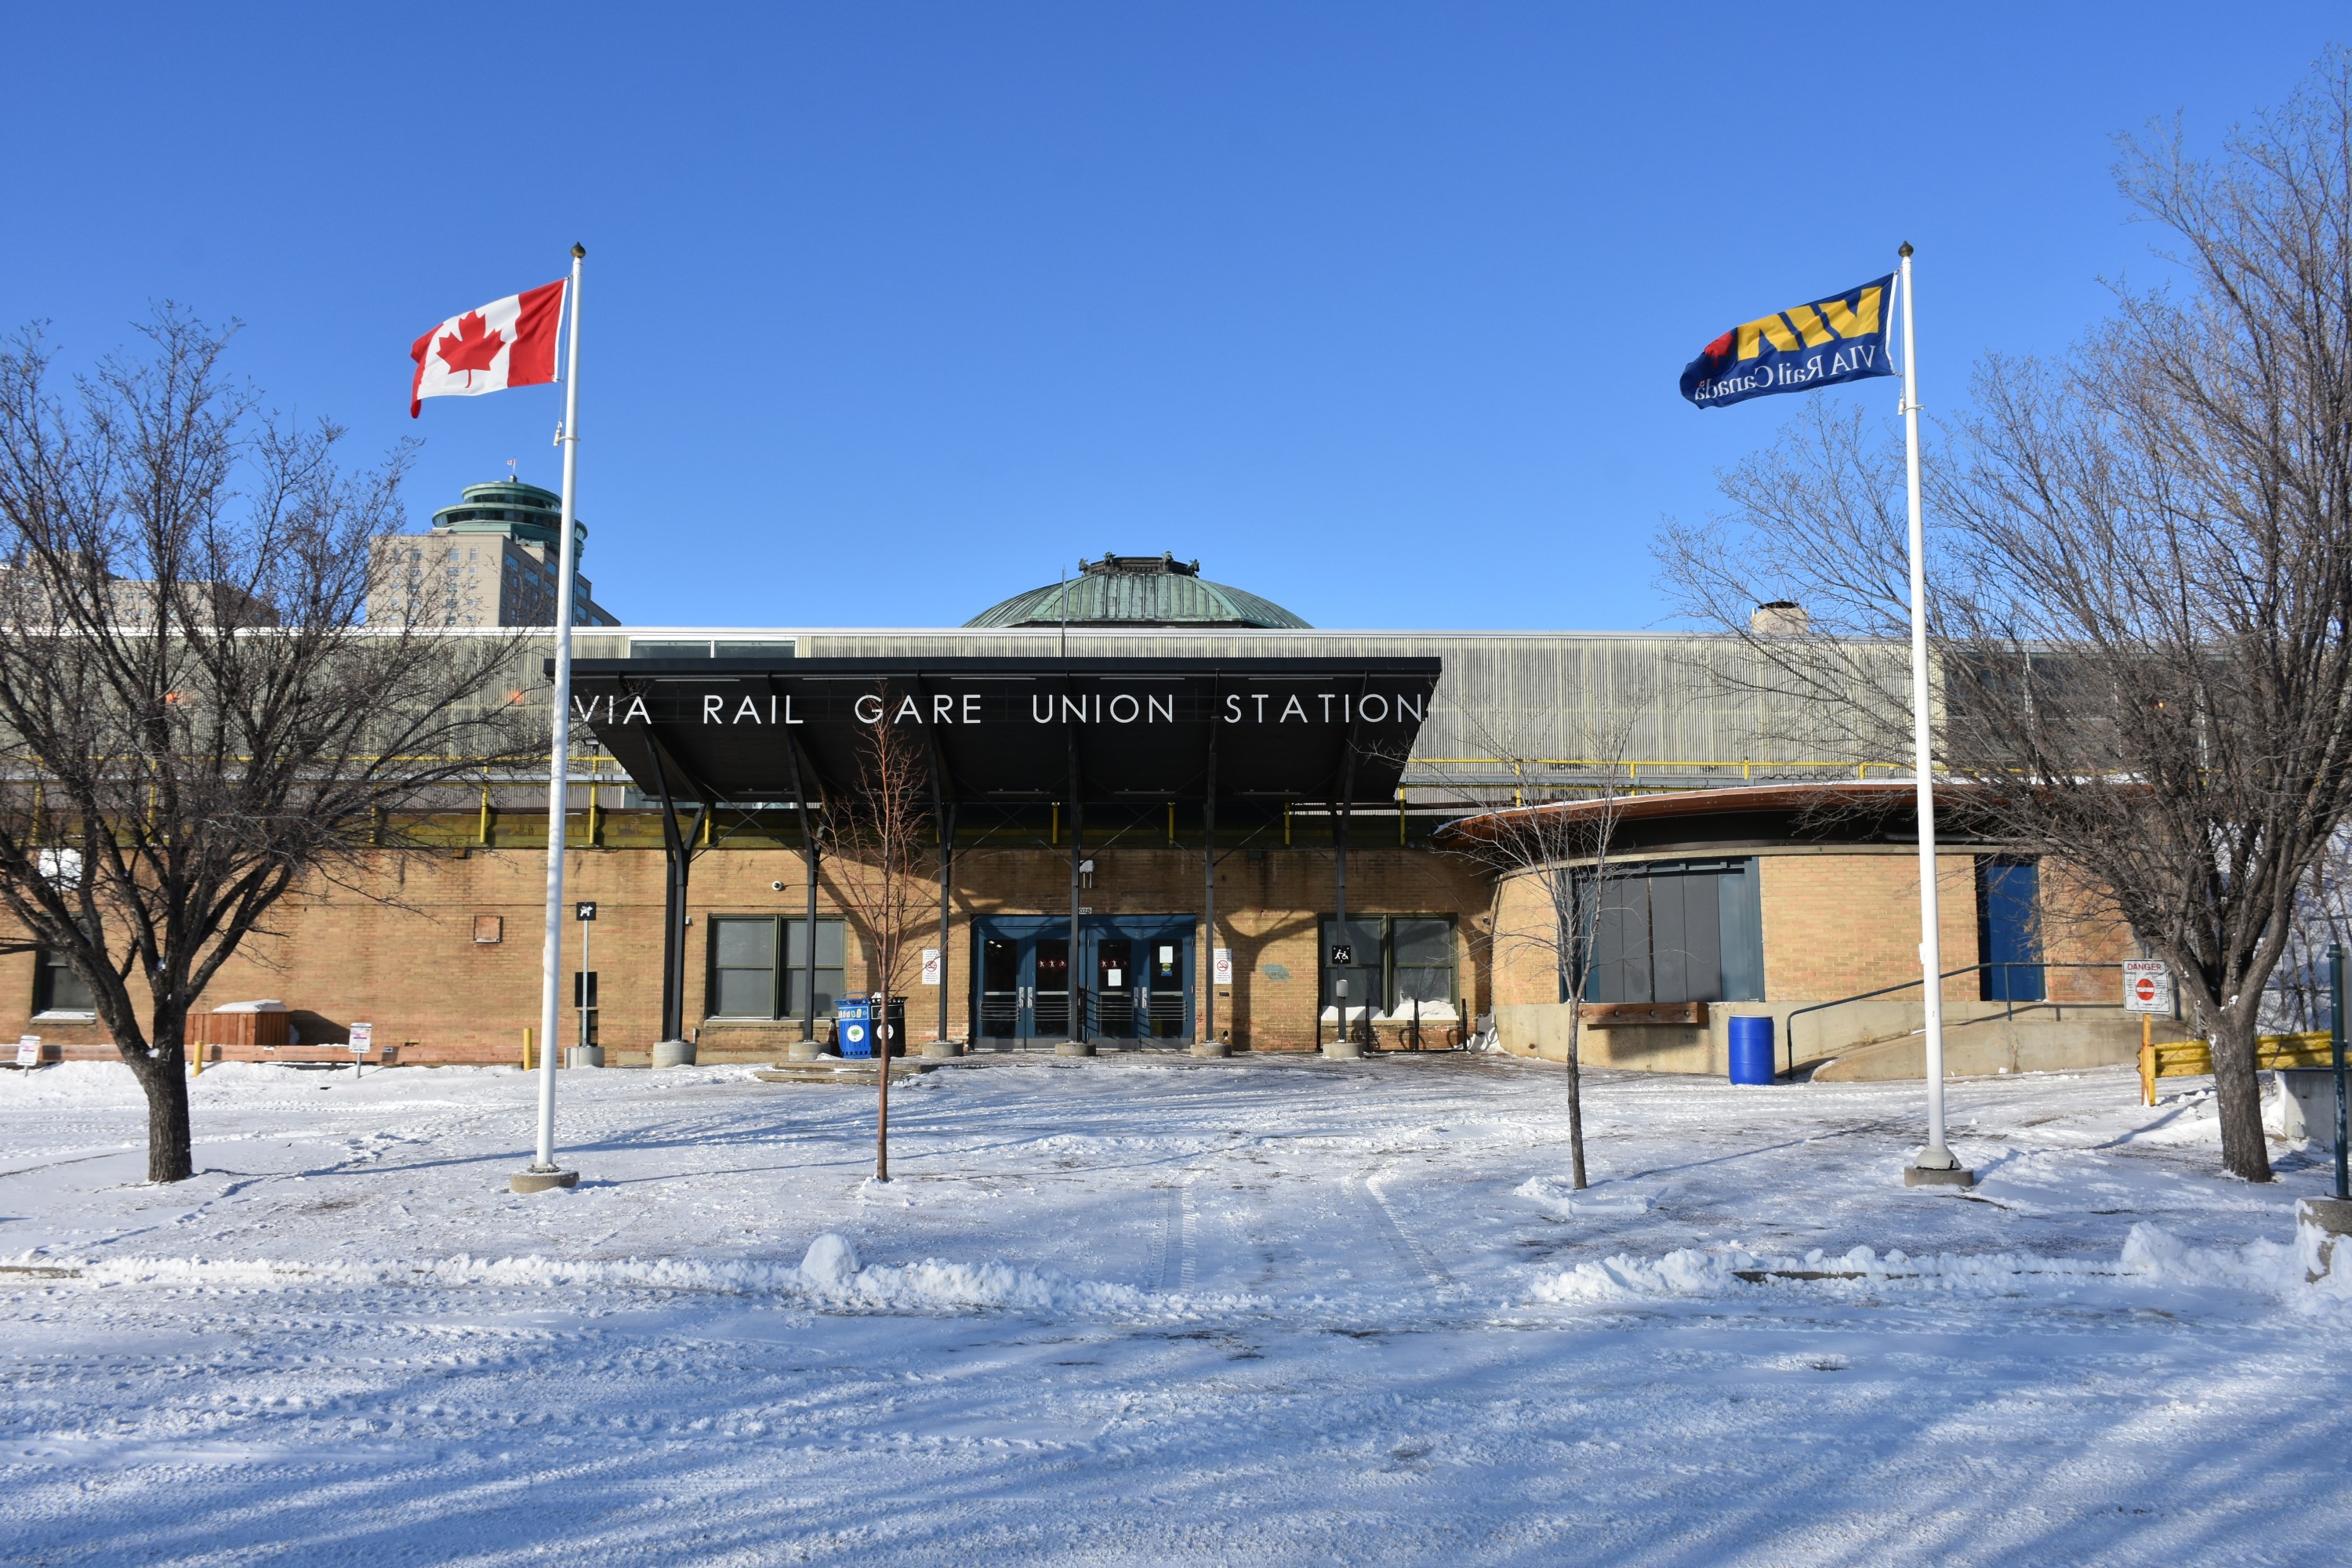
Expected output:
(852, 1027)
(1751, 1050)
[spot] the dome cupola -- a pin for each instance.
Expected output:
(1139, 591)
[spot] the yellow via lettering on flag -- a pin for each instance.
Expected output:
(1764, 329)
(1859, 322)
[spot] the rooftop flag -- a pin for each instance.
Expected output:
(506, 342)
(1841, 338)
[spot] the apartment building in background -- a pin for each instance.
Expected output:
(489, 561)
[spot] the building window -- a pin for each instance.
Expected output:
(56, 988)
(2009, 930)
(1397, 961)
(759, 966)
(1677, 931)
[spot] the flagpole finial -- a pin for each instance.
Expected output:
(579, 251)
(1903, 250)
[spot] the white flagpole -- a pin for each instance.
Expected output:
(544, 1172)
(1933, 1165)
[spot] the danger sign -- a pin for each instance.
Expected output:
(2148, 985)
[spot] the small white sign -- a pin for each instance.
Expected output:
(1223, 966)
(363, 1036)
(28, 1050)
(930, 966)
(2148, 985)
(1117, 978)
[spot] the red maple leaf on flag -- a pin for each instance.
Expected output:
(472, 347)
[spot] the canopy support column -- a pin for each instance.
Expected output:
(678, 854)
(1076, 1045)
(808, 859)
(1209, 901)
(945, 812)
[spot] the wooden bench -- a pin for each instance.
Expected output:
(1624, 1015)
(2194, 1058)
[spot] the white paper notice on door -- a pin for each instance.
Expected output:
(1117, 976)
(1224, 965)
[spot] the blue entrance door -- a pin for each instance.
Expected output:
(2009, 932)
(1139, 974)
(1022, 979)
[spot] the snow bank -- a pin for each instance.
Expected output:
(2150, 1255)
(828, 1277)
(1559, 1198)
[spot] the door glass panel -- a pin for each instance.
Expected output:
(1052, 1010)
(1165, 1017)
(1116, 984)
(1000, 987)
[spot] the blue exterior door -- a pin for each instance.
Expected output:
(1021, 979)
(2009, 933)
(1140, 971)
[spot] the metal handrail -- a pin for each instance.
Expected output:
(2009, 1008)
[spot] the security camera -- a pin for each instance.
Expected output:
(775, 887)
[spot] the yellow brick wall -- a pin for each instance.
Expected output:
(412, 967)
(1836, 924)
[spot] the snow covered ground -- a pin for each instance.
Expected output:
(1255, 1312)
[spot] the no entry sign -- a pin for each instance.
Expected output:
(2148, 985)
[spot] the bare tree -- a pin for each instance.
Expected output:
(878, 830)
(1559, 844)
(2141, 582)
(193, 718)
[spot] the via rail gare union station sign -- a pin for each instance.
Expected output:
(1014, 728)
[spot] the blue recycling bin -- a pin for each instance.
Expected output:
(1751, 1050)
(853, 1026)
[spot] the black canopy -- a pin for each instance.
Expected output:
(1009, 730)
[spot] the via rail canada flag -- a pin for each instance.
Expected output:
(506, 342)
(1841, 338)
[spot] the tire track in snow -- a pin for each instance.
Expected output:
(1444, 1288)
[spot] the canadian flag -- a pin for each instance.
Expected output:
(506, 342)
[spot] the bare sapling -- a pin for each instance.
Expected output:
(879, 861)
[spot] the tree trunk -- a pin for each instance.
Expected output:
(882, 1119)
(1576, 1099)
(170, 1153)
(2238, 1096)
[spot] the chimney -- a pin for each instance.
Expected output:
(1780, 619)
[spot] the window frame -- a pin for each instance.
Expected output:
(48, 966)
(780, 966)
(1325, 1003)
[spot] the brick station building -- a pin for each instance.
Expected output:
(1155, 796)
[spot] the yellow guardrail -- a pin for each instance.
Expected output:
(2194, 1058)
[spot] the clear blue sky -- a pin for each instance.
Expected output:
(896, 310)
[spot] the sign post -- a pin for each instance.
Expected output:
(363, 1036)
(2147, 991)
(2336, 1056)
(29, 1051)
(584, 913)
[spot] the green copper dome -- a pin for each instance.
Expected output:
(1136, 590)
(509, 506)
